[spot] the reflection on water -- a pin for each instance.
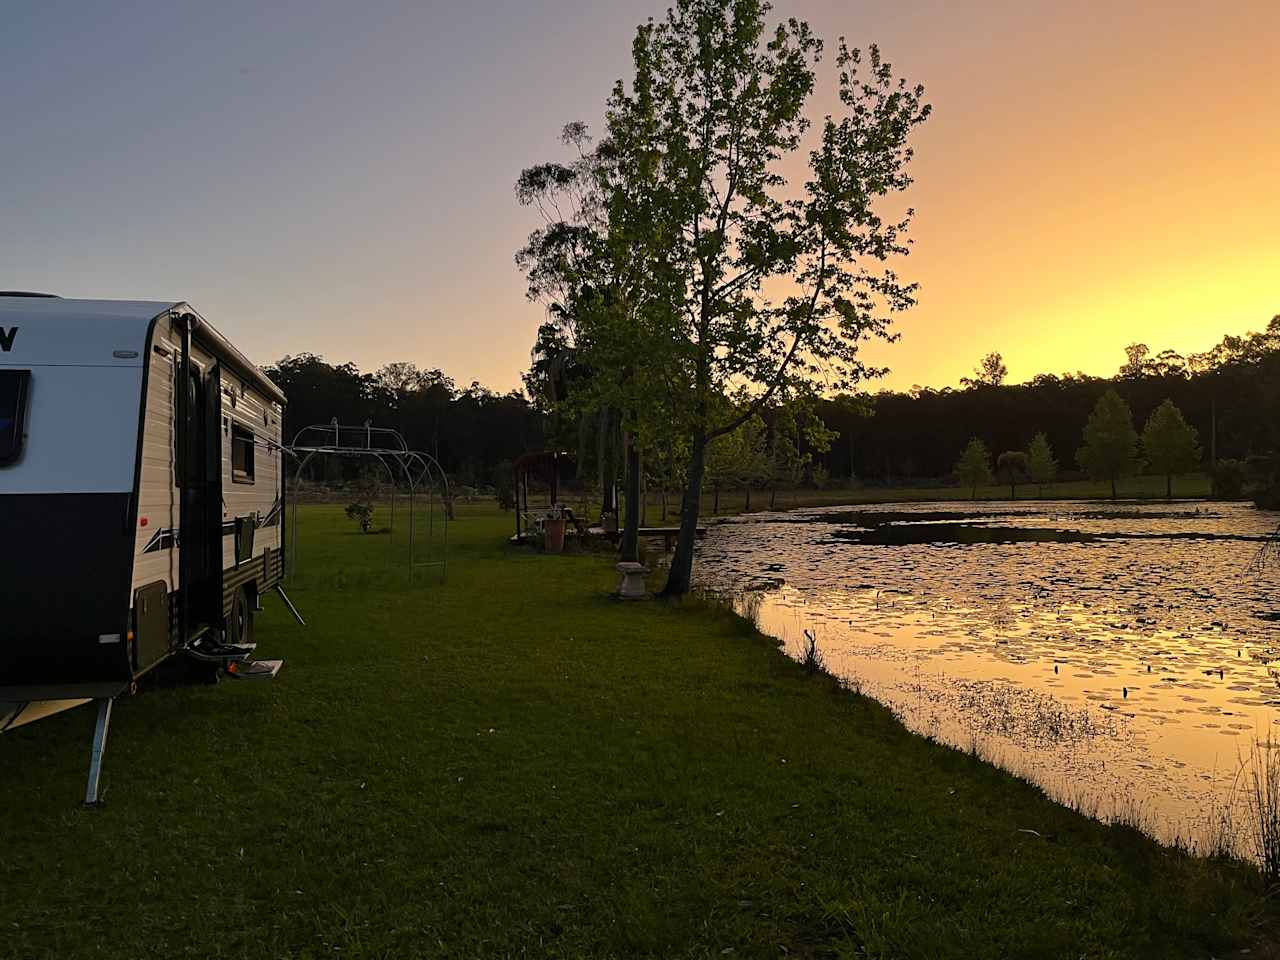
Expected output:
(1125, 659)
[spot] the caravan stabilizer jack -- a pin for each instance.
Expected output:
(99, 747)
(289, 603)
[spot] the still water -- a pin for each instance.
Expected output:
(1124, 657)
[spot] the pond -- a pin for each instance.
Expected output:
(1125, 657)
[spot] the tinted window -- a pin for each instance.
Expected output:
(241, 454)
(13, 413)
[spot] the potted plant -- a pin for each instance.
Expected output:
(553, 526)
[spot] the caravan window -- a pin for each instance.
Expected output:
(13, 413)
(241, 454)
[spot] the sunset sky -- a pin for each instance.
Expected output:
(337, 177)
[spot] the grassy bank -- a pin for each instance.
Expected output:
(1193, 486)
(512, 763)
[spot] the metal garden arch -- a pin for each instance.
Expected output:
(420, 471)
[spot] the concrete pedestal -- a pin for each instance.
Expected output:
(631, 586)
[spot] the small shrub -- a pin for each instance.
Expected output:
(364, 491)
(851, 684)
(1262, 796)
(504, 482)
(1228, 479)
(810, 656)
(362, 513)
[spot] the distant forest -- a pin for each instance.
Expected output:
(1230, 394)
(919, 435)
(471, 431)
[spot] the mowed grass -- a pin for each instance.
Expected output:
(512, 763)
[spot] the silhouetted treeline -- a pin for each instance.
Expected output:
(1231, 395)
(918, 435)
(471, 431)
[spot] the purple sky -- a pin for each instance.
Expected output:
(337, 177)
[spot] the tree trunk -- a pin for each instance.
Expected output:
(680, 578)
(773, 495)
(644, 492)
(715, 500)
(663, 494)
(1168, 486)
(1013, 490)
(631, 529)
(1213, 433)
(747, 507)
(603, 466)
(1113, 486)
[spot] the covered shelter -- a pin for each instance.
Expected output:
(542, 467)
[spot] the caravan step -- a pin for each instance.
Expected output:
(254, 669)
(222, 652)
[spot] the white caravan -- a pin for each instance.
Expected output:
(141, 500)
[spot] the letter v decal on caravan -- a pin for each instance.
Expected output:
(7, 336)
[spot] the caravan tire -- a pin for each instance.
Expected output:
(240, 623)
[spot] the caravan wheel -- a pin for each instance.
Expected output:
(240, 623)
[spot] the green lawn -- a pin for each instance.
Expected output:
(514, 764)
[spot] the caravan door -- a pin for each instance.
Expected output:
(200, 473)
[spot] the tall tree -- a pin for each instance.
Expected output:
(990, 372)
(748, 281)
(850, 408)
(1012, 466)
(587, 284)
(1041, 465)
(1136, 364)
(1110, 449)
(974, 467)
(1170, 443)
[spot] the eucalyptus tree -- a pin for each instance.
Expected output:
(586, 359)
(564, 266)
(990, 372)
(750, 281)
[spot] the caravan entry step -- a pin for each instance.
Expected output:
(226, 652)
(254, 669)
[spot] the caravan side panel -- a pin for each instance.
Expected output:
(252, 543)
(250, 531)
(155, 539)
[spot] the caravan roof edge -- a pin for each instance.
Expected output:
(242, 365)
(18, 306)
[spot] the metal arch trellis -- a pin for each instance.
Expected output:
(388, 447)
